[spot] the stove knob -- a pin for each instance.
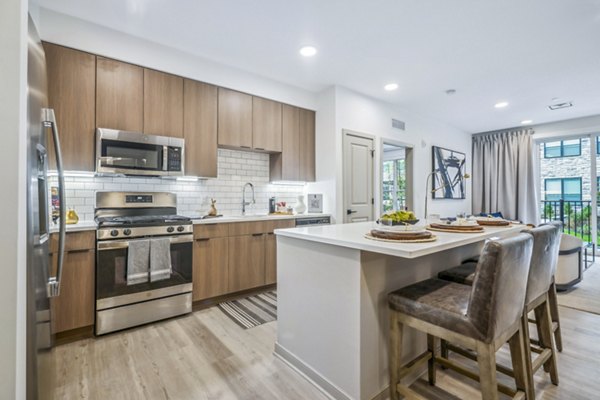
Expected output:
(180, 229)
(127, 232)
(114, 232)
(170, 229)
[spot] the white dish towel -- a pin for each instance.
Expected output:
(138, 257)
(160, 259)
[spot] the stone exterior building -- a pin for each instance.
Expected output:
(569, 167)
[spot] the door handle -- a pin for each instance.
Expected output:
(349, 211)
(53, 284)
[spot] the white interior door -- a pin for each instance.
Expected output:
(358, 178)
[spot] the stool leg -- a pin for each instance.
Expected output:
(527, 356)
(395, 353)
(486, 359)
(519, 351)
(555, 317)
(431, 366)
(544, 324)
(444, 350)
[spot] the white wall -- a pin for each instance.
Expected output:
(359, 113)
(13, 28)
(82, 35)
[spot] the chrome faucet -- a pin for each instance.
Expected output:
(244, 202)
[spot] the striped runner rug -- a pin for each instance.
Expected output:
(253, 310)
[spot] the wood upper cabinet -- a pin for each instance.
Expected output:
(235, 119)
(119, 95)
(296, 162)
(307, 145)
(163, 104)
(211, 268)
(72, 95)
(74, 308)
(266, 125)
(200, 128)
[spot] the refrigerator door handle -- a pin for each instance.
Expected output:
(49, 121)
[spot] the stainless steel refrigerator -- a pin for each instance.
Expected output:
(42, 283)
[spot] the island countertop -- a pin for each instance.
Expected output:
(353, 236)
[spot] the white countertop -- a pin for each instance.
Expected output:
(253, 218)
(80, 226)
(353, 236)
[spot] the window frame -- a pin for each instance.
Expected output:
(562, 149)
(562, 187)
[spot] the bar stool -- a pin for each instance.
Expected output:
(546, 240)
(465, 273)
(482, 318)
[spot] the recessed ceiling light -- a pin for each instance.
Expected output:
(501, 104)
(526, 122)
(308, 51)
(391, 86)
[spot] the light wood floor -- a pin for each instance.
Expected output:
(206, 356)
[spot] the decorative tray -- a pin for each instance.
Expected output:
(399, 236)
(493, 222)
(455, 228)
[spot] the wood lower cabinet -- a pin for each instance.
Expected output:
(200, 128)
(266, 125)
(163, 104)
(119, 95)
(74, 307)
(246, 262)
(271, 248)
(211, 268)
(235, 119)
(72, 95)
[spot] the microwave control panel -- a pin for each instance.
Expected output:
(174, 159)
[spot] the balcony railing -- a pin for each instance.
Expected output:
(575, 216)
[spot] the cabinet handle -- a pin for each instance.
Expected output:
(245, 147)
(257, 234)
(78, 251)
(258, 148)
(202, 239)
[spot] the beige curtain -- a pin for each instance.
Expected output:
(504, 177)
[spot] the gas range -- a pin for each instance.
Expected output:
(144, 253)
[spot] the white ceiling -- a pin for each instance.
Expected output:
(523, 52)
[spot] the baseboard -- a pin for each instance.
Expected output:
(73, 335)
(328, 388)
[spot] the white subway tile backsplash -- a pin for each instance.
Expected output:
(235, 169)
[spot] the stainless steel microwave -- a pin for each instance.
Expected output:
(135, 153)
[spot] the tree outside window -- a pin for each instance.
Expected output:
(394, 185)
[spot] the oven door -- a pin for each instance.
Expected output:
(112, 289)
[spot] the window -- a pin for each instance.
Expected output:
(597, 144)
(563, 148)
(568, 189)
(394, 185)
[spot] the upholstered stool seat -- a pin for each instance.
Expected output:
(436, 301)
(481, 317)
(464, 273)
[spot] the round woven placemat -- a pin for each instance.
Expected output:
(430, 228)
(433, 238)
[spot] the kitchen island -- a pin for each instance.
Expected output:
(332, 300)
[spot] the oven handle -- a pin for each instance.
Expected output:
(123, 244)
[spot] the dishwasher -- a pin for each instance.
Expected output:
(308, 220)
